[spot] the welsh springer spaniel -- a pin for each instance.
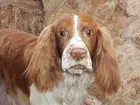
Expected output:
(59, 66)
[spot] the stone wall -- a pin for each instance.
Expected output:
(121, 17)
(24, 15)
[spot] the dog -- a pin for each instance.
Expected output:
(58, 66)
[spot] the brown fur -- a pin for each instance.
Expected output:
(27, 59)
(107, 76)
(13, 63)
(44, 69)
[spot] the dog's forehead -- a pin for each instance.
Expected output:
(65, 19)
(87, 20)
(68, 19)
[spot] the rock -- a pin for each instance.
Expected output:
(132, 33)
(106, 10)
(131, 7)
(23, 15)
(5, 2)
(136, 40)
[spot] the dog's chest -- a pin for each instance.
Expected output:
(42, 98)
(70, 91)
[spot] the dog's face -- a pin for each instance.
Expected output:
(82, 46)
(76, 39)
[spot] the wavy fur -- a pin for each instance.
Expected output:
(107, 76)
(43, 69)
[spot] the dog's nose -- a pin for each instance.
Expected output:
(78, 53)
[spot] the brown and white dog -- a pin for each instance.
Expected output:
(59, 66)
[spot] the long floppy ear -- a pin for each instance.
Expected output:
(43, 69)
(107, 76)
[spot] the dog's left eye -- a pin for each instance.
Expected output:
(62, 33)
(88, 32)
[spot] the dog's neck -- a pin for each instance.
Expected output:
(70, 91)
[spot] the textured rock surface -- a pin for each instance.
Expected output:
(121, 17)
(131, 7)
(21, 14)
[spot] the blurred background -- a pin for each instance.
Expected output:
(121, 17)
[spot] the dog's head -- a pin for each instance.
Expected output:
(81, 46)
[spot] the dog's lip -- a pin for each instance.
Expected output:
(78, 66)
(77, 69)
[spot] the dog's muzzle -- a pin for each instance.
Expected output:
(76, 58)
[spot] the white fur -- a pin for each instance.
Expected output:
(75, 25)
(70, 91)
(42, 98)
(19, 99)
(10, 99)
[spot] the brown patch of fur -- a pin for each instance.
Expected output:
(20, 50)
(107, 76)
(43, 68)
(88, 20)
(13, 44)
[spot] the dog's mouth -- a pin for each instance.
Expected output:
(77, 69)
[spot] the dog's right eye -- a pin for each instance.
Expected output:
(62, 33)
(88, 32)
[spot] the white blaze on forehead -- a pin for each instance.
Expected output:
(75, 42)
(75, 25)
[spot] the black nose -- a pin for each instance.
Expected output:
(78, 53)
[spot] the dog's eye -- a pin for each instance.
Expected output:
(88, 32)
(62, 33)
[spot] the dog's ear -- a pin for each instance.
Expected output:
(105, 63)
(43, 69)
